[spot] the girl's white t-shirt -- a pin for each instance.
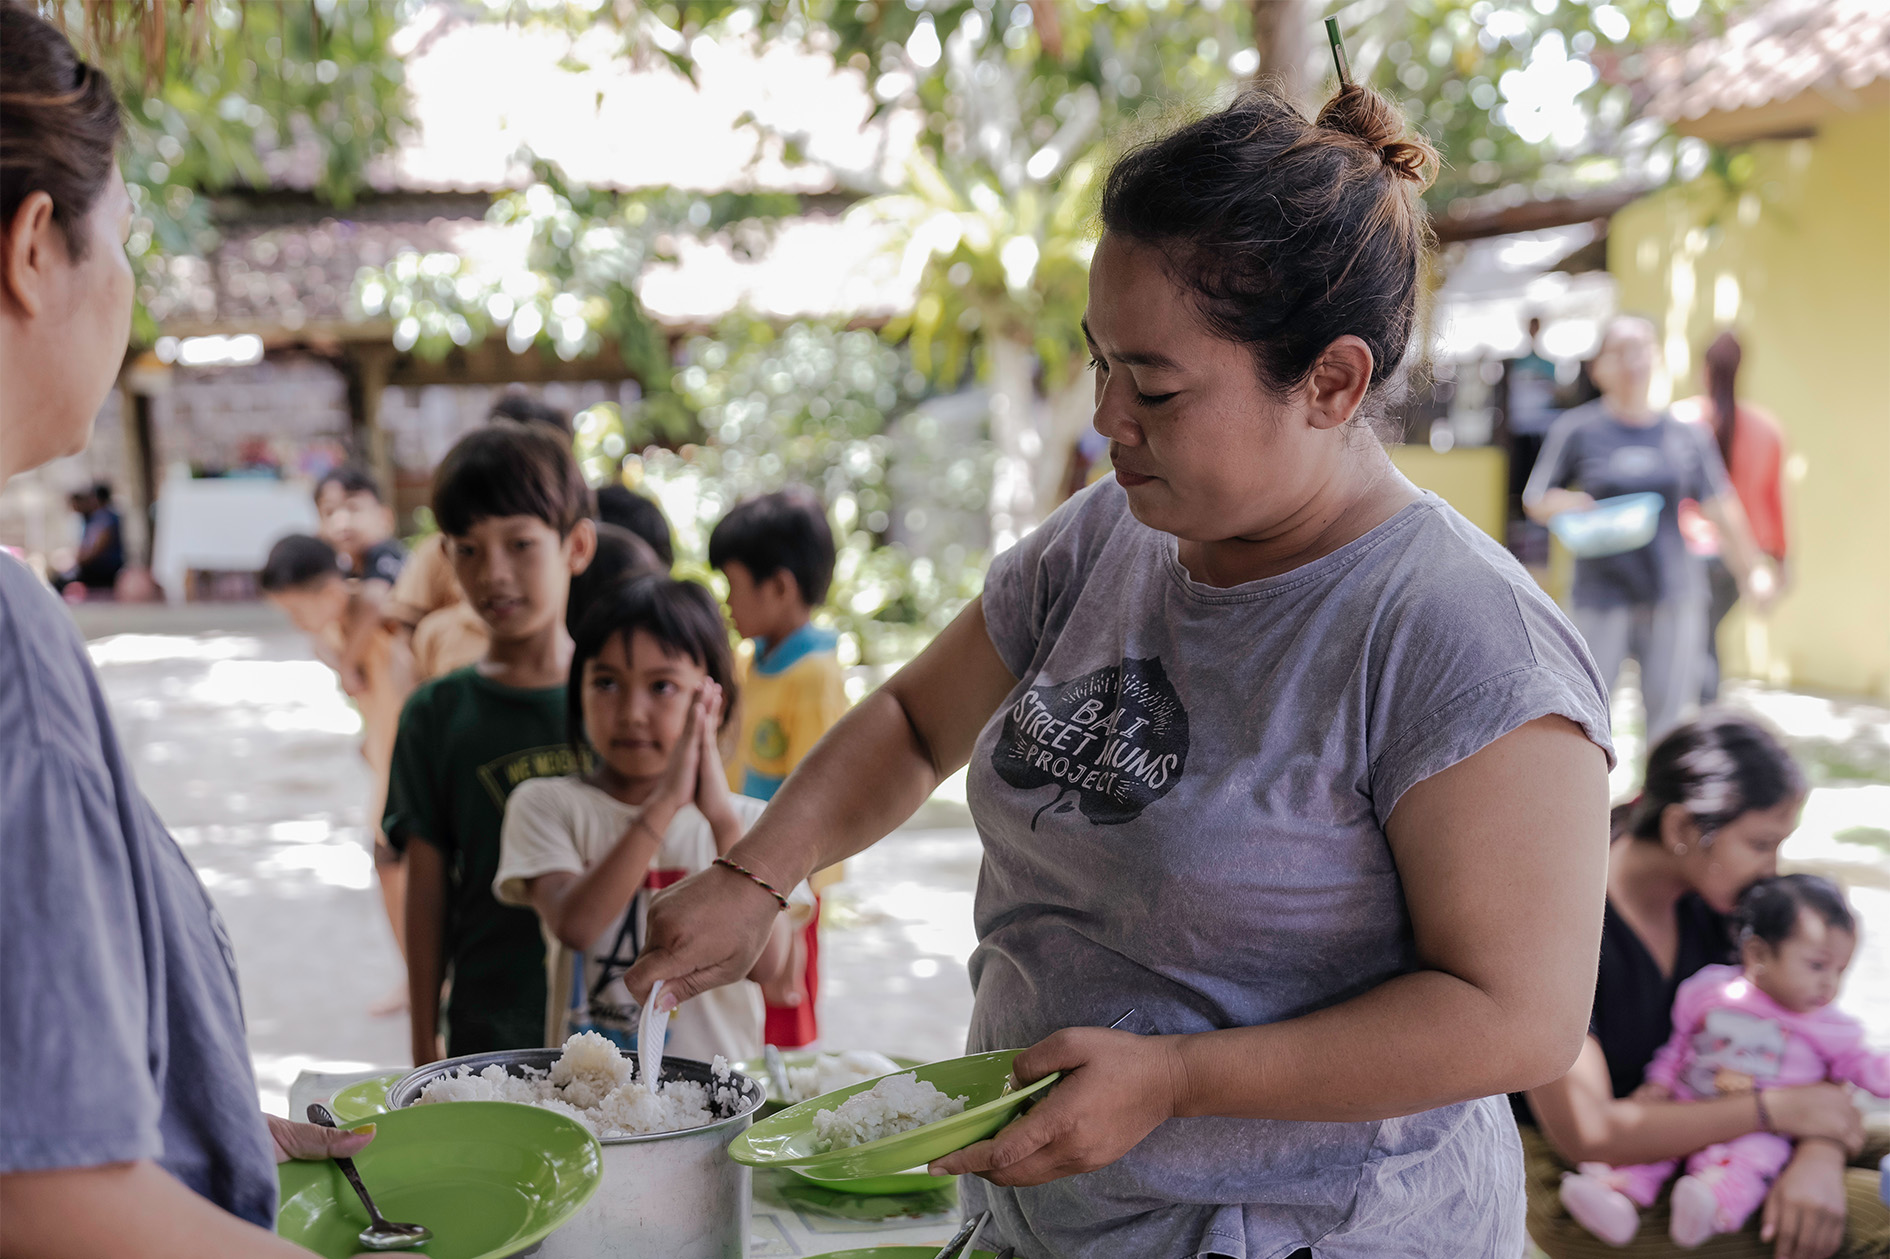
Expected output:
(555, 825)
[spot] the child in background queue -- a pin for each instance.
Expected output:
(621, 557)
(652, 682)
(425, 609)
(303, 577)
(356, 521)
(1766, 1023)
(777, 553)
(515, 512)
(622, 506)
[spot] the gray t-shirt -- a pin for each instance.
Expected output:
(121, 1030)
(1183, 807)
(1588, 449)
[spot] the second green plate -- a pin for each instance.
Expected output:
(920, 1181)
(364, 1099)
(788, 1140)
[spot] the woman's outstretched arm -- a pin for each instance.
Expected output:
(869, 774)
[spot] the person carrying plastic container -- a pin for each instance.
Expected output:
(1641, 593)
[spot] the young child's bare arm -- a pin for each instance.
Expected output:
(578, 907)
(359, 625)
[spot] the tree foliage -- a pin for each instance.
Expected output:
(221, 95)
(809, 405)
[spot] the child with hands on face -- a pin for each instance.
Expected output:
(1766, 1023)
(651, 686)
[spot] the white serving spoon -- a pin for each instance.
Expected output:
(651, 1029)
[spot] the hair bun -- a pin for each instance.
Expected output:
(1358, 111)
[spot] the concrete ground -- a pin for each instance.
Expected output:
(248, 749)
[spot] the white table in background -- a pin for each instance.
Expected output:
(223, 524)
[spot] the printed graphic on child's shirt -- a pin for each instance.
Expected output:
(501, 776)
(1734, 1052)
(600, 1000)
(771, 741)
(1115, 739)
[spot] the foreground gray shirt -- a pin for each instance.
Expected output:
(1183, 808)
(121, 1032)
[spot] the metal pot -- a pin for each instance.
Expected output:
(668, 1195)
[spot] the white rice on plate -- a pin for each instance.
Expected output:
(595, 1084)
(898, 1103)
(828, 1072)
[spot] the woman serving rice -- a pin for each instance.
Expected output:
(1263, 741)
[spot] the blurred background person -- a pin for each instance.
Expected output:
(1752, 445)
(621, 557)
(1647, 602)
(621, 506)
(357, 522)
(777, 553)
(304, 576)
(101, 554)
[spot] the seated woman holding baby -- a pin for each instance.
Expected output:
(1683, 1145)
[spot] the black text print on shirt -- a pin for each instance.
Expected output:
(1115, 738)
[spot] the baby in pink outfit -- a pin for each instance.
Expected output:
(1767, 1023)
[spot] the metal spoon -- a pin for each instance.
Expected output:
(962, 1239)
(380, 1234)
(777, 1069)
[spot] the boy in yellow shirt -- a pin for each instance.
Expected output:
(777, 553)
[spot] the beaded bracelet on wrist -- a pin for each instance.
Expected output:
(754, 878)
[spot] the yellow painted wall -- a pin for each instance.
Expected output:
(1799, 264)
(1473, 479)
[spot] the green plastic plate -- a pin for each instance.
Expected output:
(757, 1069)
(489, 1178)
(920, 1181)
(787, 1139)
(364, 1099)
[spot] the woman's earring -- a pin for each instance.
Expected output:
(1679, 850)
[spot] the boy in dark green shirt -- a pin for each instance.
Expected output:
(515, 512)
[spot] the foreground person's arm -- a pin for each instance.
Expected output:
(140, 1211)
(127, 1211)
(1503, 859)
(869, 774)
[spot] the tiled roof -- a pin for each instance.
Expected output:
(1771, 53)
(297, 278)
(484, 95)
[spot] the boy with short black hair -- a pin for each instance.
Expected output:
(424, 609)
(777, 553)
(515, 513)
(303, 577)
(357, 522)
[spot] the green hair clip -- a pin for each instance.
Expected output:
(1338, 52)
